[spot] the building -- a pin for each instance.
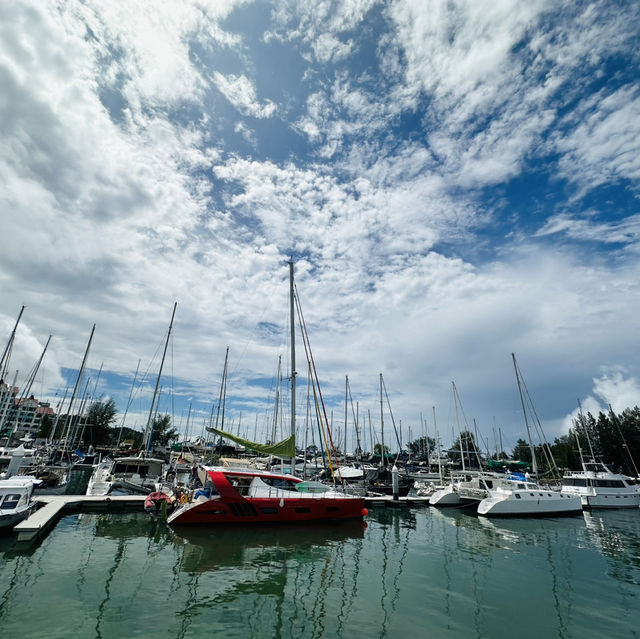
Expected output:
(20, 416)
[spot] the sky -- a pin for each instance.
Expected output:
(454, 182)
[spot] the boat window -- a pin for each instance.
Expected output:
(517, 495)
(609, 483)
(10, 502)
(277, 482)
(269, 511)
(241, 484)
(311, 487)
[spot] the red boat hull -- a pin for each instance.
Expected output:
(229, 506)
(263, 510)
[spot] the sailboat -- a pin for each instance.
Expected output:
(518, 496)
(247, 495)
(138, 474)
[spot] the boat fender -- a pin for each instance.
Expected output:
(365, 512)
(184, 498)
(282, 502)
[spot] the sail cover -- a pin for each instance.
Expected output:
(285, 448)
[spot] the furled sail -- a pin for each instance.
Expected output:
(285, 448)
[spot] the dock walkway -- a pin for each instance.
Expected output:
(44, 517)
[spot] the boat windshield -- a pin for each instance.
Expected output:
(311, 487)
(10, 502)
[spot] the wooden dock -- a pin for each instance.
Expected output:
(45, 517)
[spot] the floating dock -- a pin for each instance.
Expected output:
(45, 517)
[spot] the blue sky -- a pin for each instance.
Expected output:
(455, 181)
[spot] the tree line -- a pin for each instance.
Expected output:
(98, 428)
(609, 437)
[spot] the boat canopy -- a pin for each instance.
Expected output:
(285, 448)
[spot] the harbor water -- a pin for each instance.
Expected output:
(417, 572)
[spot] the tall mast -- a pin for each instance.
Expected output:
(435, 427)
(27, 392)
(346, 394)
(149, 428)
(76, 388)
(4, 360)
(293, 359)
(455, 400)
(534, 467)
(384, 457)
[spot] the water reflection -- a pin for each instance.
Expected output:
(206, 549)
(410, 572)
(617, 535)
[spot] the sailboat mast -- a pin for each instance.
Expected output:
(77, 387)
(4, 360)
(293, 359)
(346, 394)
(534, 467)
(435, 428)
(586, 432)
(384, 458)
(455, 400)
(149, 428)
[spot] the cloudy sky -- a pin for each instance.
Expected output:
(454, 181)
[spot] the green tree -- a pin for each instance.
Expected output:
(468, 442)
(46, 426)
(97, 423)
(421, 447)
(163, 430)
(377, 450)
(522, 451)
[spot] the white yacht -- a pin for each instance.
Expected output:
(464, 488)
(599, 487)
(517, 496)
(16, 499)
(132, 474)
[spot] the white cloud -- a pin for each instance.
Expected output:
(626, 231)
(120, 189)
(242, 94)
(604, 140)
(615, 388)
